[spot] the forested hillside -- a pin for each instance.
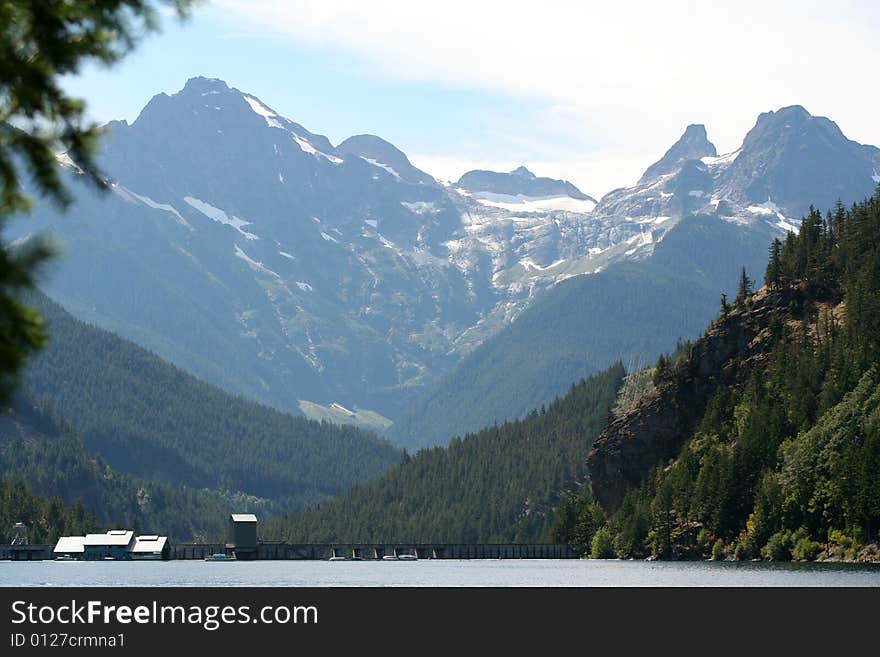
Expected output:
(148, 419)
(497, 485)
(766, 431)
(40, 450)
(46, 518)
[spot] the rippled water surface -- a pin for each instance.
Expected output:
(519, 572)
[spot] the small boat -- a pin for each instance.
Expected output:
(220, 556)
(335, 558)
(407, 557)
(390, 557)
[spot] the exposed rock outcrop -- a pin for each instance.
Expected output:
(656, 428)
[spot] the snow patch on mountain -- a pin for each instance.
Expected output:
(146, 200)
(388, 244)
(218, 215)
(305, 287)
(65, 160)
(876, 177)
(770, 209)
(721, 160)
(522, 203)
(272, 120)
(378, 164)
(421, 207)
(529, 264)
(259, 108)
(254, 263)
(311, 150)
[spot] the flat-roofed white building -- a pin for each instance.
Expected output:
(150, 548)
(69, 547)
(115, 545)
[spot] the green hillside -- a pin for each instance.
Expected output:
(40, 451)
(762, 439)
(46, 518)
(497, 485)
(148, 419)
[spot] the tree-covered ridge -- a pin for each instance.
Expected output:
(496, 485)
(40, 450)
(46, 518)
(149, 419)
(784, 460)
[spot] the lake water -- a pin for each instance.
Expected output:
(519, 572)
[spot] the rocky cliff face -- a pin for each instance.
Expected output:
(656, 428)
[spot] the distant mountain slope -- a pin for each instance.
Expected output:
(519, 182)
(382, 154)
(629, 312)
(147, 418)
(497, 485)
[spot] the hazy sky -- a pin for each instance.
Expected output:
(586, 91)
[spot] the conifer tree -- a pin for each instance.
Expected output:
(746, 287)
(773, 275)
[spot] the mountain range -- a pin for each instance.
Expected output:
(257, 255)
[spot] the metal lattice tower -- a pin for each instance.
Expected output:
(19, 534)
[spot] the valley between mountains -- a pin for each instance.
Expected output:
(252, 316)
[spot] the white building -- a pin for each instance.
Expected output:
(150, 548)
(115, 545)
(69, 547)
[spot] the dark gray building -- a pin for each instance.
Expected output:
(241, 537)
